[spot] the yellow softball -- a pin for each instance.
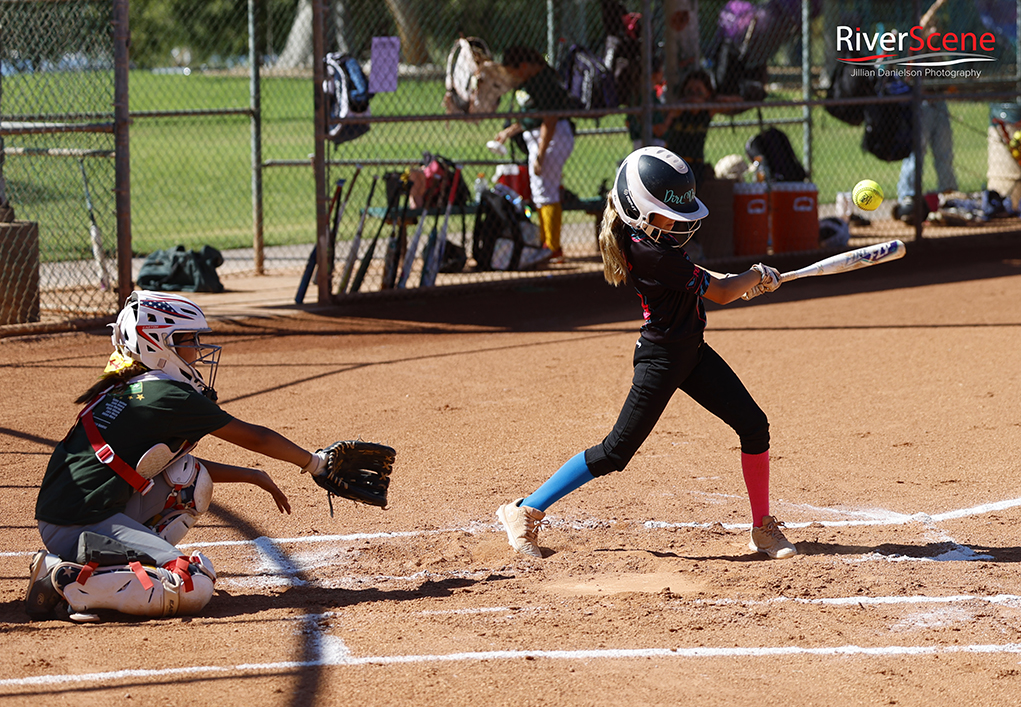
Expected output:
(867, 195)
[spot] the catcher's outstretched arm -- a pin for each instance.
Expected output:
(264, 441)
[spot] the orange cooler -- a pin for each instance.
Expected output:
(751, 219)
(795, 216)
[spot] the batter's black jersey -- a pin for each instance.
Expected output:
(669, 285)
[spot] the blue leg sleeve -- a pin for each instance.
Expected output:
(572, 475)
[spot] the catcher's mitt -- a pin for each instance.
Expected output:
(356, 470)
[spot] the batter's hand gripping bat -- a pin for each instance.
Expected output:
(843, 262)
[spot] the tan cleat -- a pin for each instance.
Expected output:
(522, 524)
(768, 538)
(42, 596)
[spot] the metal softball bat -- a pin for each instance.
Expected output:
(851, 260)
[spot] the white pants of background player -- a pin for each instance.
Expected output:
(546, 186)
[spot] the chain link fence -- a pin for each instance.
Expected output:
(224, 100)
(945, 72)
(57, 81)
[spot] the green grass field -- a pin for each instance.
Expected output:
(191, 176)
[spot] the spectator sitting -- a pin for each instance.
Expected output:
(687, 129)
(661, 120)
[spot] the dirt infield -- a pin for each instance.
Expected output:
(893, 396)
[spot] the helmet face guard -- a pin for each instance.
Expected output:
(653, 181)
(206, 358)
(148, 330)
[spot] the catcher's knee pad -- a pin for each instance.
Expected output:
(180, 587)
(197, 578)
(190, 495)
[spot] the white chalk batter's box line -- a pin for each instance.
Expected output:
(333, 652)
(268, 547)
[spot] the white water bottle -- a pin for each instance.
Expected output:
(481, 186)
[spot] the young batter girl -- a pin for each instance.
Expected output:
(121, 489)
(651, 213)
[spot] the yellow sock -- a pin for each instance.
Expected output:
(550, 217)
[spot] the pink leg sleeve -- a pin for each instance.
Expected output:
(756, 478)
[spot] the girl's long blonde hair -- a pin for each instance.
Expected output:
(611, 231)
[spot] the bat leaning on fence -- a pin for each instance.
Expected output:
(352, 253)
(310, 266)
(409, 257)
(94, 235)
(435, 256)
(356, 284)
(430, 246)
(392, 259)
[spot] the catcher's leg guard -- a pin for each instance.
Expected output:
(183, 587)
(190, 495)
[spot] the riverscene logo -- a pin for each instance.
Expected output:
(927, 54)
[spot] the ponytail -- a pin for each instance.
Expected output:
(119, 370)
(615, 268)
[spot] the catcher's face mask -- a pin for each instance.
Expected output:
(199, 357)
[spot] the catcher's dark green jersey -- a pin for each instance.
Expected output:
(78, 489)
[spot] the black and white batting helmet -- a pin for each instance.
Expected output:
(653, 180)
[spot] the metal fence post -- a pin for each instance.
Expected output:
(918, 146)
(551, 43)
(647, 72)
(255, 102)
(323, 264)
(122, 160)
(806, 81)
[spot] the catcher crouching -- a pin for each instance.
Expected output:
(122, 489)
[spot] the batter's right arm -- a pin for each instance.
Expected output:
(724, 289)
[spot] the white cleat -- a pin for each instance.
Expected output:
(522, 524)
(768, 538)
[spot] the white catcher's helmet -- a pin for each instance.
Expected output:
(653, 180)
(145, 330)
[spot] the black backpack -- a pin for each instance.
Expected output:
(774, 149)
(179, 269)
(586, 79)
(733, 76)
(503, 237)
(845, 85)
(622, 50)
(889, 126)
(347, 96)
